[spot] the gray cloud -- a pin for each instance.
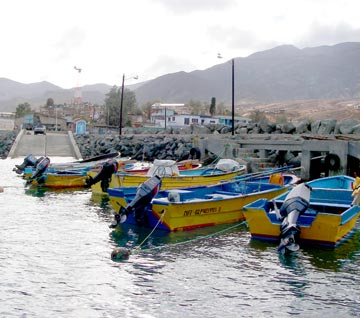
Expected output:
(238, 39)
(329, 35)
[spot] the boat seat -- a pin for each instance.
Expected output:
(218, 196)
(306, 220)
(273, 218)
(325, 204)
(228, 193)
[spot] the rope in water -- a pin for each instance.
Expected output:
(137, 248)
(152, 231)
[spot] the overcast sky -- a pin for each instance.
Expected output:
(42, 40)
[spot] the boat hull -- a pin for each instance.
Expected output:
(225, 210)
(59, 181)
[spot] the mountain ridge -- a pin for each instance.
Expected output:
(282, 73)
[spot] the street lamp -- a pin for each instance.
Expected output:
(232, 97)
(232, 93)
(122, 100)
(56, 119)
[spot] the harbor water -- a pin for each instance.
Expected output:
(55, 249)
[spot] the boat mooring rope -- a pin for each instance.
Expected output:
(199, 237)
(122, 253)
(152, 231)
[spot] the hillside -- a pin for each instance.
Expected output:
(305, 109)
(311, 82)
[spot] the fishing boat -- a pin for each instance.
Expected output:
(68, 175)
(73, 174)
(30, 162)
(275, 177)
(170, 174)
(142, 167)
(61, 180)
(41, 175)
(343, 182)
(319, 212)
(187, 208)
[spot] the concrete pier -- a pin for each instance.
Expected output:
(51, 144)
(336, 153)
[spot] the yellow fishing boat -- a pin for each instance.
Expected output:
(61, 180)
(325, 214)
(188, 208)
(170, 175)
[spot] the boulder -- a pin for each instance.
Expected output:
(327, 127)
(346, 126)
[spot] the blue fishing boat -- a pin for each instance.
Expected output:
(343, 182)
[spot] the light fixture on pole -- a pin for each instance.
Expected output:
(219, 56)
(122, 100)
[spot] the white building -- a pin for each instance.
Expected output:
(177, 116)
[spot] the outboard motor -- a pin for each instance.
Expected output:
(144, 194)
(295, 204)
(29, 161)
(195, 153)
(104, 175)
(39, 170)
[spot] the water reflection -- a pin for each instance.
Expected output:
(134, 236)
(323, 258)
(41, 191)
(101, 200)
(335, 258)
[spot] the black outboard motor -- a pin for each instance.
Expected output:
(29, 161)
(104, 175)
(39, 170)
(295, 204)
(195, 153)
(144, 194)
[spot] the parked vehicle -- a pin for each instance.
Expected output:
(40, 129)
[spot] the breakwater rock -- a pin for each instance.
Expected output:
(319, 127)
(138, 147)
(7, 138)
(175, 147)
(329, 126)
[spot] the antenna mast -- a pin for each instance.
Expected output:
(78, 93)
